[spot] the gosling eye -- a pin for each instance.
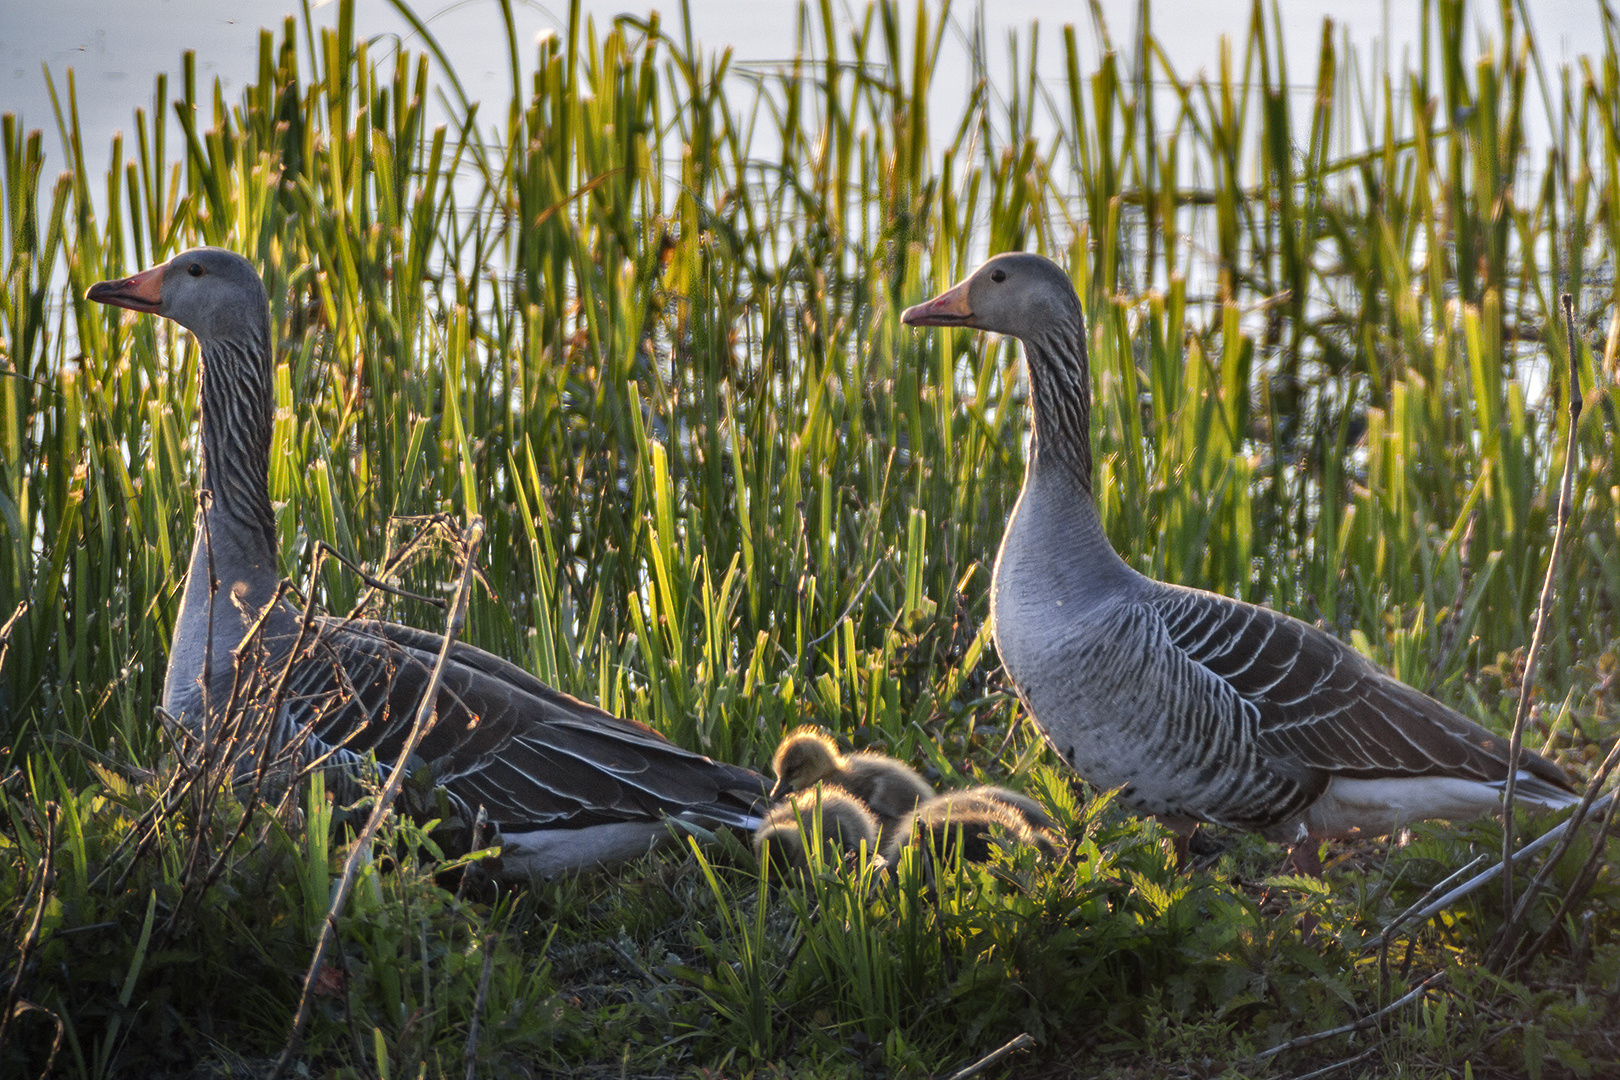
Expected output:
(196, 270)
(998, 275)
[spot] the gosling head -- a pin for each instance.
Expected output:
(805, 757)
(214, 293)
(1017, 293)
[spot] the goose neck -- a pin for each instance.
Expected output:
(235, 419)
(1060, 404)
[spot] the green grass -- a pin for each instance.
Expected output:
(643, 318)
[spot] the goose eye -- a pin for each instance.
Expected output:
(998, 275)
(195, 270)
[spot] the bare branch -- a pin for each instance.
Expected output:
(1545, 839)
(1021, 1042)
(1543, 609)
(471, 1054)
(1303, 1041)
(427, 715)
(47, 874)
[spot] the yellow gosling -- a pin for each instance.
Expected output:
(845, 824)
(976, 822)
(1033, 813)
(890, 788)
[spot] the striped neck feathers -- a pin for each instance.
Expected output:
(237, 400)
(1060, 398)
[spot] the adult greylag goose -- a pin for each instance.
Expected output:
(1195, 706)
(825, 815)
(890, 788)
(566, 784)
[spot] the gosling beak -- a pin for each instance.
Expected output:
(781, 790)
(139, 292)
(949, 308)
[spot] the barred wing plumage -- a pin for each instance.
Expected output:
(1320, 705)
(1196, 707)
(532, 756)
(576, 785)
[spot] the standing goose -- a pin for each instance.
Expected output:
(1196, 706)
(566, 784)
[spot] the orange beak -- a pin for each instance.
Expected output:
(139, 292)
(949, 308)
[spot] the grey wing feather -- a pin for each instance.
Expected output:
(1325, 707)
(531, 755)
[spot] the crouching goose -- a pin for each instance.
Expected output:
(1197, 707)
(566, 784)
(891, 788)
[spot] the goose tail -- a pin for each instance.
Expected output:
(1534, 791)
(724, 817)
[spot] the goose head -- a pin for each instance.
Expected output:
(219, 297)
(1031, 298)
(1017, 293)
(214, 293)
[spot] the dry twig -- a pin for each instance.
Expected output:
(426, 716)
(1329, 1070)
(1583, 880)
(6, 627)
(1543, 609)
(1021, 1042)
(1505, 948)
(1485, 877)
(47, 874)
(471, 1056)
(1404, 1000)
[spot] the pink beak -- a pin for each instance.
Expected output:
(949, 308)
(138, 292)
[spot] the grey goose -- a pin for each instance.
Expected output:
(890, 788)
(1197, 707)
(566, 784)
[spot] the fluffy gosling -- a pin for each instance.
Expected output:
(890, 788)
(976, 822)
(845, 823)
(1033, 813)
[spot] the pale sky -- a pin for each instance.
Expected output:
(116, 49)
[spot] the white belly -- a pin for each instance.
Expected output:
(1378, 807)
